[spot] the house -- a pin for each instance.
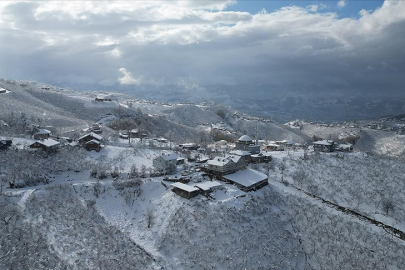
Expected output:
(324, 146)
(42, 134)
(184, 190)
(96, 128)
(247, 180)
(244, 154)
(274, 147)
(101, 98)
(189, 146)
(287, 144)
(261, 157)
(89, 137)
(5, 144)
(92, 145)
(245, 143)
(48, 145)
(165, 163)
(220, 166)
(239, 161)
(209, 186)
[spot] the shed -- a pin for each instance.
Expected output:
(184, 190)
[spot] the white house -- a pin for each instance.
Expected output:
(165, 163)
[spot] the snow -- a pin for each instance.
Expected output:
(48, 142)
(218, 161)
(246, 177)
(324, 142)
(245, 138)
(94, 135)
(169, 157)
(184, 187)
(240, 153)
(208, 185)
(43, 131)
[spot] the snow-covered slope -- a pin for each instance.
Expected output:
(381, 143)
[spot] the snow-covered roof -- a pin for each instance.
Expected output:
(246, 177)
(48, 142)
(93, 141)
(184, 187)
(169, 157)
(273, 145)
(94, 135)
(103, 97)
(324, 142)
(218, 161)
(262, 154)
(43, 131)
(235, 158)
(285, 142)
(245, 138)
(240, 153)
(208, 185)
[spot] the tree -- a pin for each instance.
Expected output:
(387, 205)
(124, 124)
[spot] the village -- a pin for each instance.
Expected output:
(188, 169)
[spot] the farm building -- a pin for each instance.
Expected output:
(247, 180)
(46, 145)
(184, 190)
(165, 163)
(324, 146)
(245, 143)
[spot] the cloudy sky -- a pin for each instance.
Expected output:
(355, 45)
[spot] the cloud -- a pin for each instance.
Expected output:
(194, 44)
(341, 3)
(128, 79)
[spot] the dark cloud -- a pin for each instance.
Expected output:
(197, 43)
